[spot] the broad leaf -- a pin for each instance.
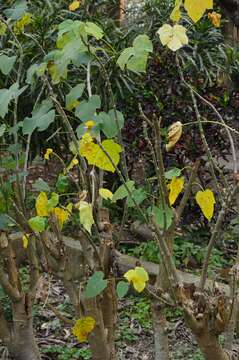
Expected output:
(105, 157)
(74, 95)
(163, 219)
(86, 215)
(174, 172)
(206, 201)
(105, 194)
(37, 223)
(94, 30)
(122, 289)
(175, 187)
(95, 285)
(16, 12)
(121, 192)
(6, 63)
(135, 58)
(109, 123)
(62, 183)
(5, 222)
(41, 185)
(196, 9)
(42, 117)
(7, 95)
(87, 109)
(139, 195)
(83, 327)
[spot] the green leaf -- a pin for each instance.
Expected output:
(121, 192)
(6, 63)
(87, 109)
(41, 185)
(5, 222)
(122, 289)
(16, 12)
(174, 172)
(62, 183)
(124, 57)
(2, 129)
(42, 117)
(109, 125)
(7, 95)
(135, 58)
(95, 285)
(139, 195)
(37, 223)
(74, 95)
(143, 43)
(160, 217)
(94, 30)
(53, 201)
(35, 70)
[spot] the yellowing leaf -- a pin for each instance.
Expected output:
(176, 13)
(74, 5)
(175, 188)
(86, 215)
(173, 36)
(61, 215)
(215, 18)
(105, 193)
(3, 28)
(25, 241)
(113, 150)
(206, 201)
(83, 327)
(138, 277)
(25, 20)
(174, 134)
(196, 8)
(96, 156)
(41, 204)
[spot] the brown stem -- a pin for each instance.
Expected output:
(161, 343)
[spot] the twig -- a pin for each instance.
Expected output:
(214, 235)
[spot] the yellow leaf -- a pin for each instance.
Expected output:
(173, 36)
(25, 241)
(25, 20)
(105, 194)
(196, 8)
(74, 5)
(69, 207)
(206, 201)
(174, 134)
(96, 156)
(86, 215)
(61, 215)
(48, 153)
(138, 277)
(83, 327)
(175, 187)
(41, 204)
(215, 18)
(176, 13)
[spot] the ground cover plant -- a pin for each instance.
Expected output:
(74, 175)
